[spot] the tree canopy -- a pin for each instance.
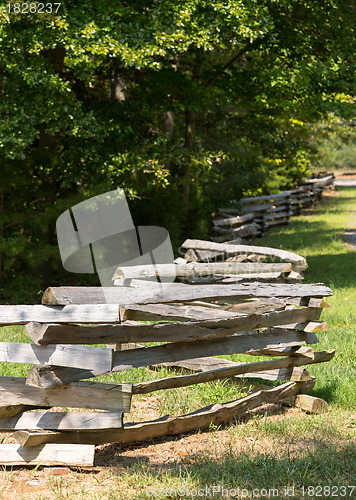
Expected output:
(185, 104)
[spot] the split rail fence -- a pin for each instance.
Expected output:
(231, 299)
(257, 214)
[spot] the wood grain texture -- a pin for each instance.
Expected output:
(220, 324)
(50, 454)
(230, 371)
(93, 395)
(192, 269)
(10, 410)
(172, 312)
(241, 232)
(171, 292)
(251, 342)
(35, 438)
(227, 239)
(203, 256)
(47, 376)
(311, 404)
(214, 414)
(232, 221)
(243, 342)
(236, 249)
(64, 421)
(93, 358)
(246, 278)
(169, 426)
(210, 363)
(278, 196)
(88, 313)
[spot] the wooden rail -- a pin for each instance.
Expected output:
(255, 215)
(251, 311)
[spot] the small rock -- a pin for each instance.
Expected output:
(59, 471)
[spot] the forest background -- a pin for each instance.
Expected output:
(186, 104)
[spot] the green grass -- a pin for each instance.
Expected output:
(317, 235)
(291, 449)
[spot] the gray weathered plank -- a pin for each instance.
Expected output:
(311, 404)
(8, 410)
(214, 414)
(255, 306)
(241, 232)
(276, 215)
(234, 231)
(261, 278)
(173, 312)
(165, 332)
(306, 301)
(91, 358)
(203, 256)
(245, 342)
(194, 269)
(327, 179)
(88, 313)
(227, 239)
(308, 326)
(232, 221)
(47, 376)
(36, 438)
(257, 208)
(196, 365)
(172, 292)
(234, 369)
(281, 350)
(210, 363)
(236, 249)
(277, 196)
(92, 395)
(75, 455)
(64, 421)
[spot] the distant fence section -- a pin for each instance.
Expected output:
(255, 215)
(231, 299)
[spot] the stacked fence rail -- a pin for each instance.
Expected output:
(254, 216)
(230, 299)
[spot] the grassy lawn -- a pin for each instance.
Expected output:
(317, 235)
(268, 450)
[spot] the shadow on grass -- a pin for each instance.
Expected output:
(306, 233)
(303, 234)
(303, 463)
(326, 392)
(313, 466)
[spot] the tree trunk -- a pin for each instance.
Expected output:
(117, 87)
(56, 59)
(190, 119)
(168, 124)
(189, 128)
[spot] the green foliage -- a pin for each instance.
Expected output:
(337, 144)
(84, 94)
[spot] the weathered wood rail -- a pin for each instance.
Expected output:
(255, 215)
(253, 307)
